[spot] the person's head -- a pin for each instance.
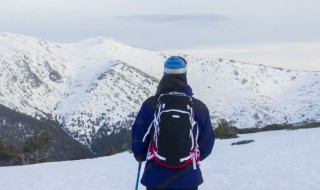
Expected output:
(175, 65)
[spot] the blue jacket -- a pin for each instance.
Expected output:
(156, 176)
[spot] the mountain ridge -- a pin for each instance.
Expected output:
(94, 88)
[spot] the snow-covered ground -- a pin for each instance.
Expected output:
(275, 160)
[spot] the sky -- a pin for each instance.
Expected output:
(282, 33)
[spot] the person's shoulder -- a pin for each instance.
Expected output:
(198, 104)
(151, 102)
(200, 108)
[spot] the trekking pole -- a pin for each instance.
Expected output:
(138, 176)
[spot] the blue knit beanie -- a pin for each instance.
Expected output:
(175, 65)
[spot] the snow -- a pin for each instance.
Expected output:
(275, 160)
(103, 82)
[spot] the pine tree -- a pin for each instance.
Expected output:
(4, 151)
(225, 130)
(36, 148)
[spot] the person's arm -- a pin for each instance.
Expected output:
(139, 129)
(206, 133)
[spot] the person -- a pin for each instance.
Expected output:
(156, 176)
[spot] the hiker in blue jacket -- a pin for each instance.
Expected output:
(156, 176)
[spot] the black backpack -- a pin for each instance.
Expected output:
(175, 133)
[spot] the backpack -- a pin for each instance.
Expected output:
(174, 132)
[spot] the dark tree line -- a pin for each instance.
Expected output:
(35, 149)
(17, 128)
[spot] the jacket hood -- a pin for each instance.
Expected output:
(174, 83)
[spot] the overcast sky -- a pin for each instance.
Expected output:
(282, 33)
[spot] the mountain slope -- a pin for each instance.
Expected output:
(256, 95)
(94, 88)
(16, 127)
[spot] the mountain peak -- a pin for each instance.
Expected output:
(100, 41)
(86, 82)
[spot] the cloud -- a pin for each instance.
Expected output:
(183, 19)
(298, 56)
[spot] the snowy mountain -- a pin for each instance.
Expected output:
(256, 95)
(94, 88)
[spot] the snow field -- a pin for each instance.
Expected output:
(275, 160)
